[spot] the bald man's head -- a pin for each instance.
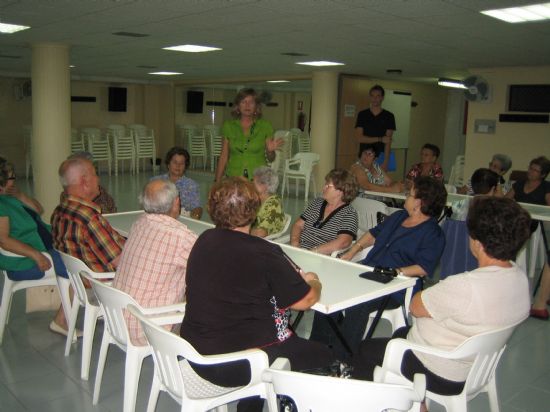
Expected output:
(160, 196)
(78, 177)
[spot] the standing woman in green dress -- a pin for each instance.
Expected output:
(248, 140)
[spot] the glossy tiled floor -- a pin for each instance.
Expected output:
(35, 376)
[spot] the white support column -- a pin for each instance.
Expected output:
(51, 120)
(324, 109)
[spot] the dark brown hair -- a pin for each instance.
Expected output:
(432, 194)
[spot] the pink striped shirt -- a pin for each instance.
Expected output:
(153, 264)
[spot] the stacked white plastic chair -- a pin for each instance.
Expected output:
(145, 146)
(304, 142)
(174, 375)
(456, 177)
(197, 150)
(122, 146)
(215, 142)
(77, 142)
(91, 309)
(98, 145)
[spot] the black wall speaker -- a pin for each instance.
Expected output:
(523, 118)
(533, 98)
(194, 101)
(117, 99)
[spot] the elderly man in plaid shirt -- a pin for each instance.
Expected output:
(154, 260)
(78, 228)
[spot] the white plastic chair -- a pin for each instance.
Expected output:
(328, 394)
(282, 232)
(294, 136)
(305, 163)
(197, 149)
(98, 146)
(123, 147)
(145, 146)
(187, 130)
(174, 375)
(215, 143)
(456, 177)
(304, 142)
(367, 211)
(113, 302)
(484, 349)
(12, 286)
(77, 142)
(91, 309)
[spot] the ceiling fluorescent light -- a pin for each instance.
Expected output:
(533, 12)
(166, 73)
(11, 28)
(321, 63)
(278, 81)
(455, 84)
(191, 48)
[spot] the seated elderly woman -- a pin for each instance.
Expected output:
(409, 241)
(177, 161)
(369, 174)
(428, 165)
(535, 189)
(329, 223)
(23, 232)
(500, 164)
(483, 182)
(493, 296)
(242, 298)
(270, 217)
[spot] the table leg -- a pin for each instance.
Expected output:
(338, 333)
(378, 315)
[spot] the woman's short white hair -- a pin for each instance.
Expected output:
(158, 196)
(267, 176)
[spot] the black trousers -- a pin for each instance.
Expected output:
(371, 354)
(302, 353)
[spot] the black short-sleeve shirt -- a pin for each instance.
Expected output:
(375, 126)
(238, 290)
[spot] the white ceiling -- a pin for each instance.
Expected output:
(425, 38)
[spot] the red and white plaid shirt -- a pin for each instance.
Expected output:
(79, 229)
(153, 264)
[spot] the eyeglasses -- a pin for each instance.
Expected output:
(329, 185)
(534, 169)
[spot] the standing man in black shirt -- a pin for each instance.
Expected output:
(376, 125)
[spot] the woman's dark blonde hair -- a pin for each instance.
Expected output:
(241, 95)
(345, 181)
(233, 203)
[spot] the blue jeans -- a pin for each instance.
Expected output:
(34, 273)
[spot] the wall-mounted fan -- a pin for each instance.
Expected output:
(477, 89)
